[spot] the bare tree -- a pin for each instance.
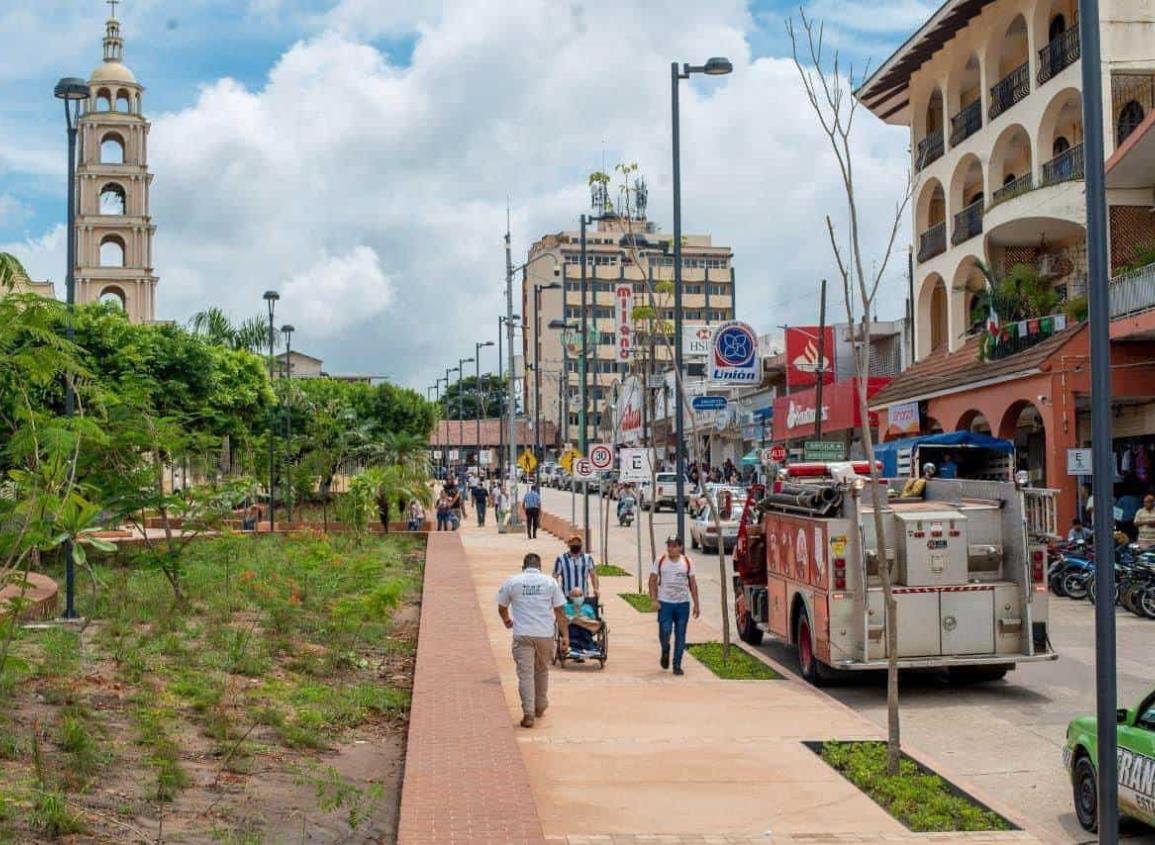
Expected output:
(829, 92)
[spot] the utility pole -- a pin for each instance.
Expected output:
(1101, 457)
(821, 362)
(583, 368)
(514, 517)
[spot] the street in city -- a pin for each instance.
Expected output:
(1007, 736)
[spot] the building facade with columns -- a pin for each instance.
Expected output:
(114, 227)
(991, 91)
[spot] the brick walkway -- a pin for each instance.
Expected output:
(465, 781)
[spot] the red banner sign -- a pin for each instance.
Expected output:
(795, 414)
(624, 320)
(802, 364)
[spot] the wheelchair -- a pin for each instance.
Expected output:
(598, 641)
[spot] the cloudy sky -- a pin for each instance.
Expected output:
(357, 155)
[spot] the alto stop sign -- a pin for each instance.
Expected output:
(777, 454)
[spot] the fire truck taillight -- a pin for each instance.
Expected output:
(839, 573)
(1038, 565)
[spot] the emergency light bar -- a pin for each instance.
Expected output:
(818, 469)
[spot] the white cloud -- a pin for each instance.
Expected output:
(373, 196)
(44, 257)
(341, 291)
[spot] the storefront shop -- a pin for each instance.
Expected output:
(795, 417)
(1039, 400)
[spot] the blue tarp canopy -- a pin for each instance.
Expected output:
(888, 452)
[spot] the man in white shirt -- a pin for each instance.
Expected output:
(673, 588)
(532, 605)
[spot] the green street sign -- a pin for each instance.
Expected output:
(824, 450)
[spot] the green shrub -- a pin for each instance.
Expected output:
(741, 666)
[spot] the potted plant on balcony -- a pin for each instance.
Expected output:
(1021, 294)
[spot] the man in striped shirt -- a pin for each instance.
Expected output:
(576, 569)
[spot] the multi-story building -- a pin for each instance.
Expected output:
(618, 249)
(992, 93)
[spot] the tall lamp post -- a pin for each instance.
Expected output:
(461, 362)
(73, 92)
(562, 325)
(477, 347)
(501, 320)
(448, 370)
(537, 289)
(271, 297)
(287, 331)
(713, 67)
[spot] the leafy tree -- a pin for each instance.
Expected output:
(490, 394)
(214, 325)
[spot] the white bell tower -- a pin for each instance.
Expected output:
(114, 228)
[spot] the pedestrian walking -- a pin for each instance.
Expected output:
(456, 504)
(480, 500)
(532, 504)
(500, 503)
(673, 591)
(443, 512)
(416, 515)
(532, 605)
(575, 568)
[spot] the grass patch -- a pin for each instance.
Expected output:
(639, 601)
(740, 667)
(921, 800)
(608, 570)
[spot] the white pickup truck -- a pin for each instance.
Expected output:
(664, 493)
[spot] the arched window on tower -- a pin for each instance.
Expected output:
(111, 251)
(1130, 116)
(113, 200)
(112, 149)
(113, 296)
(103, 100)
(122, 101)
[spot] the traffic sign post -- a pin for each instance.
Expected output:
(527, 462)
(601, 456)
(584, 470)
(709, 403)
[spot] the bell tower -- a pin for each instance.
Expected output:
(114, 228)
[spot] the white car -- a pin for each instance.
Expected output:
(704, 532)
(664, 493)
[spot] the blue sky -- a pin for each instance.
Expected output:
(326, 142)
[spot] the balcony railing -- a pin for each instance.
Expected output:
(1014, 338)
(1012, 189)
(1061, 53)
(968, 223)
(932, 242)
(1065, 167)
(1010, 89)
(967, 122)
(930, 148)
(1133, 292)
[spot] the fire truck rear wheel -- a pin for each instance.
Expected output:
(807, 661)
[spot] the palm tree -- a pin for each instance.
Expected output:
(214, 325)
(384, 486)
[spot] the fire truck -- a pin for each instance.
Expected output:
(968, 565)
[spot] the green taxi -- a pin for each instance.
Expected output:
(1136, 733)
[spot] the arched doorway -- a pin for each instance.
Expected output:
(1023, 425)
(973, 421)
(113, 296)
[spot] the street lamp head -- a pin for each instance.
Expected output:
(487, 343)
(71, 88)
(559, 325)
(287, 329)
(550, 286)
(271, 296)
(717, 66)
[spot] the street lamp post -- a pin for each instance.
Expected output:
(73, 92)
(501, 321)
(448, 370)
(461, 362)
(713, 67)
(287, 330)
(537, 289)
(477, 347)
(271, 297)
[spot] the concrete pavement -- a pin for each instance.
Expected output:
(1004, 737)
(630, 755)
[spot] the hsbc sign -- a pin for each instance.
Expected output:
(696, 340)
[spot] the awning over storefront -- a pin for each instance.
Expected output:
(795, 414)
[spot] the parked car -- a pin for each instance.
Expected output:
(1136, 763)
(703, 530)
(664, 493)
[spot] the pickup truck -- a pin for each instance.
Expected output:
(664, 493)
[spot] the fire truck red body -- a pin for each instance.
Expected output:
(967, 576)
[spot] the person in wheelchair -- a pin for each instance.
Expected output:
(583, 624)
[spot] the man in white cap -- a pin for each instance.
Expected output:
(532, 605)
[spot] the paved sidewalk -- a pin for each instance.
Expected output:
(632, 755)
(465, 783)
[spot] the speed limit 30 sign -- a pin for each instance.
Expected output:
(601, 456)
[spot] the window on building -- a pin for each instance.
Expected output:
(112, 251)
(112, 149)
(718, 290)
(1130, 116)
(112, 200)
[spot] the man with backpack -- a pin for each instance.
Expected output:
(673, 590)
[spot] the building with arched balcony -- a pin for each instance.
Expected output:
(999, 196)
(114, 228)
